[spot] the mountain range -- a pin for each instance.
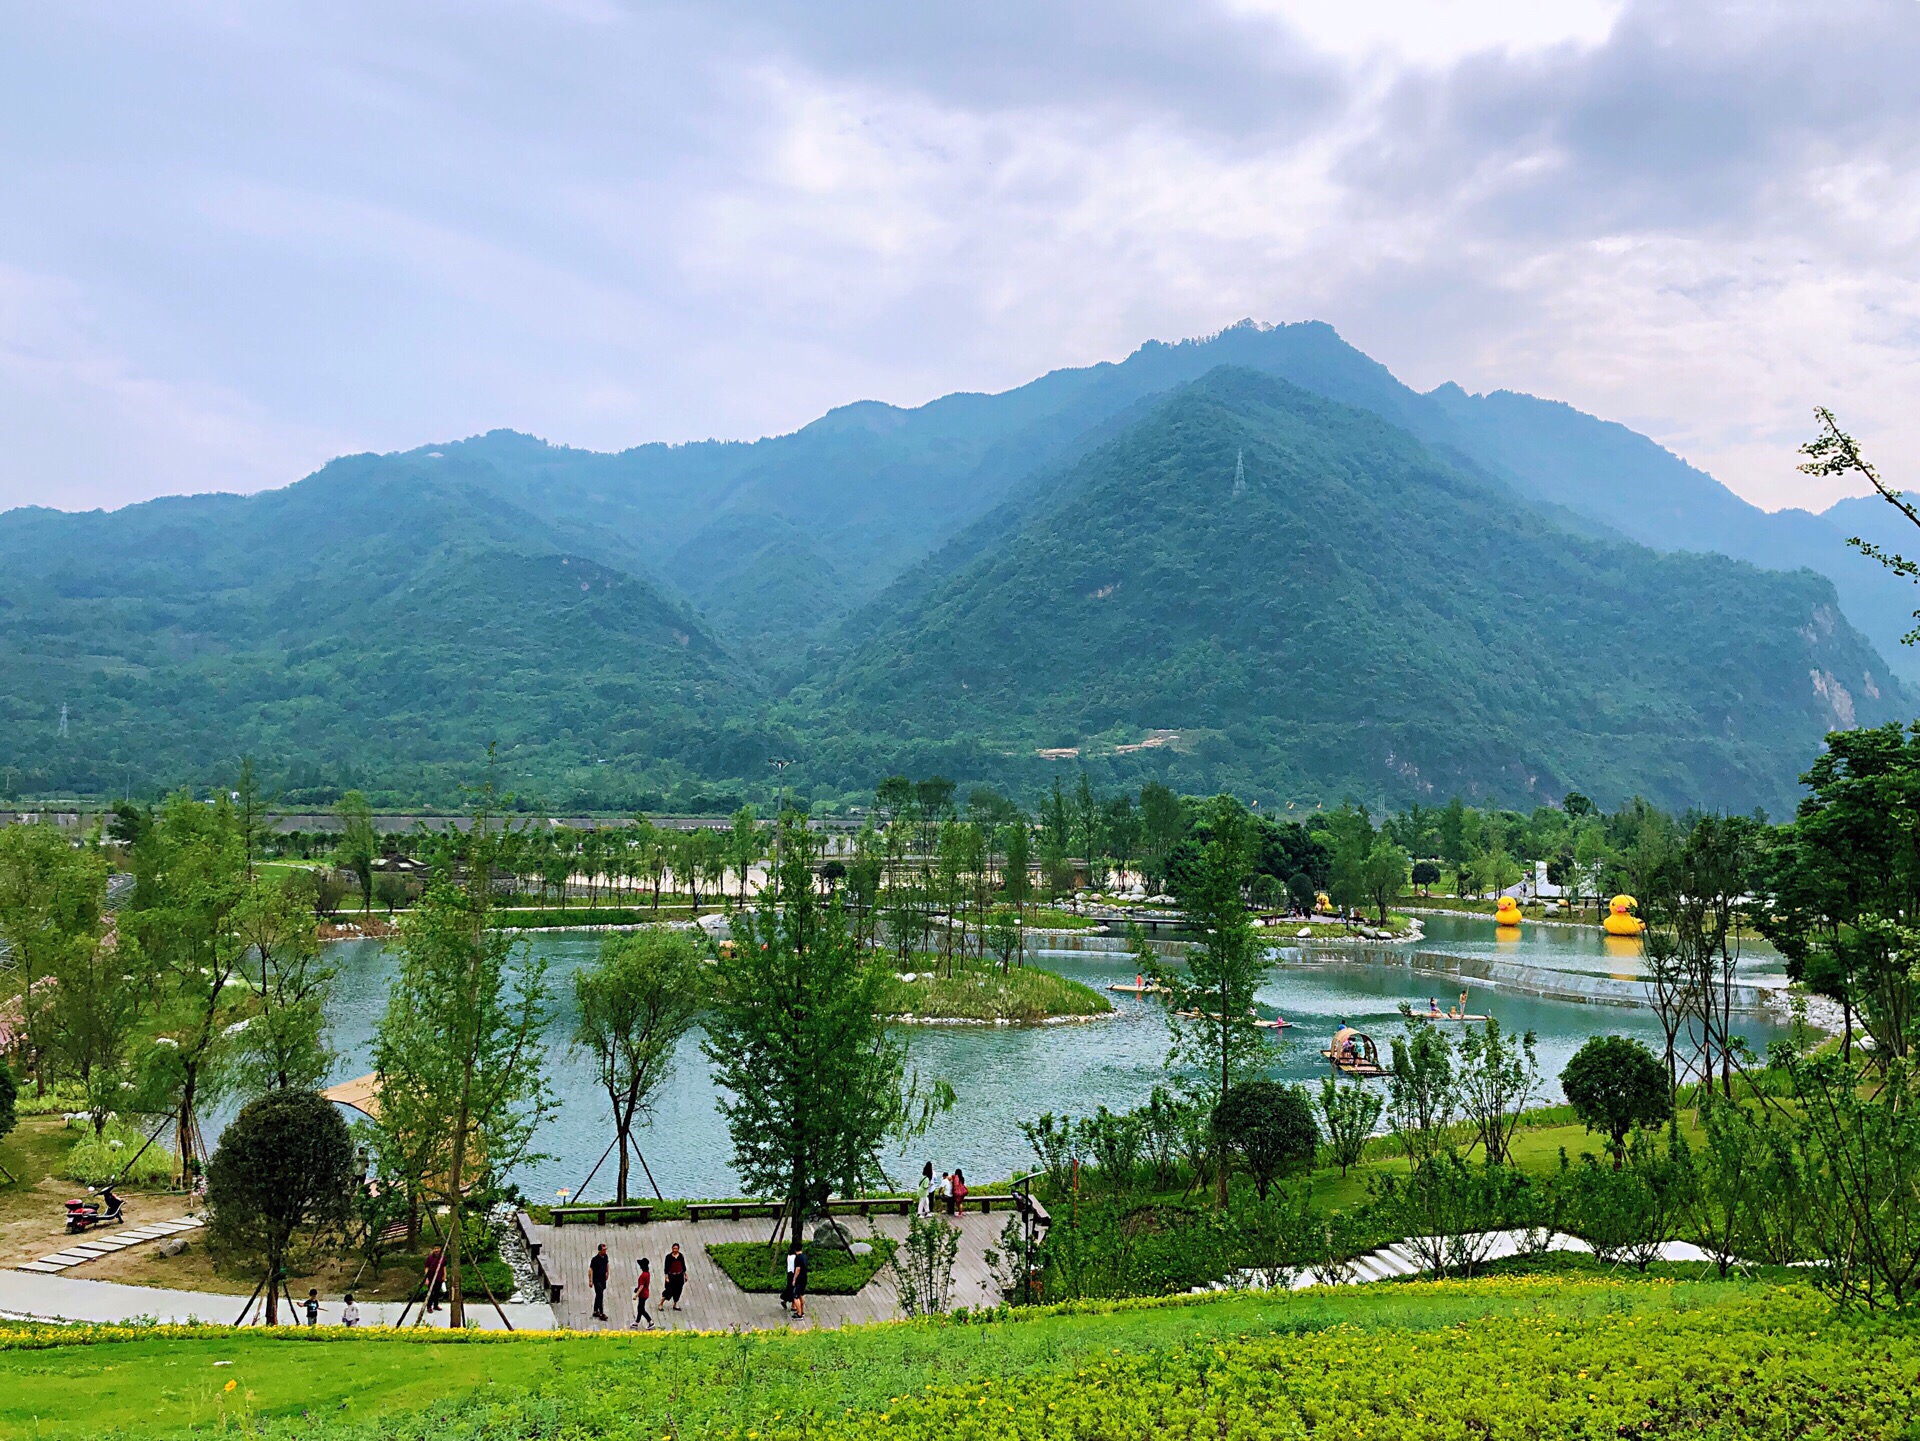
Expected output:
(1254, 560)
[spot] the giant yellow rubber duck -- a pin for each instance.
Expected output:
(1507, 913)
(1620, 919)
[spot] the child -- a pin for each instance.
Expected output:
(349, 1313)
(313, 1307)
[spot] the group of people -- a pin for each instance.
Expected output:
(949, 1192)
(600, 1269)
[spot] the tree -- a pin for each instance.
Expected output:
(283, 1045)
(1421, 1091)
(359, 844)
(1425, 875)
(1497, 1079)
(746, 843)
(1834, 453)
(284, 1166)
(1163, 823)
(1270, 1125)
(1350, 1112)
(811, 1080)
(52, 895)
(1384, 874)
(1614, 1084)
(923, 1265)
(9, 1096)
(1121, 823)
(633, 1005)
(1222, 969)
(181, 932)
(458, 1049)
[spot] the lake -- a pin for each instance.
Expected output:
(1556, 981)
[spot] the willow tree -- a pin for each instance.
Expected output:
(458, 1052)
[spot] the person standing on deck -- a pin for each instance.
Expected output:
(676, 1269)
(924, 1206)
(800, 1283)
(597, 1270)
(642, 1288)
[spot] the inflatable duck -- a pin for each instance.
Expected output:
(1508, 913)
(1620, 919)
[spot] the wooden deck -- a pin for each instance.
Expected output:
(711, 1301)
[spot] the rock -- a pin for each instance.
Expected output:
(173, 1246)
(831, 1236)
(860, 1248)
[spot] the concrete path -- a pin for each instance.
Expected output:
(67, 1298)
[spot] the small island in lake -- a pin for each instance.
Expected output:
(976, 992)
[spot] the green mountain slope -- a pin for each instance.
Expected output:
(1361, 618)
(373, 623)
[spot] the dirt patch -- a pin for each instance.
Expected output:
(33, 1217)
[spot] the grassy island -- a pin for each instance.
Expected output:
(981, 992)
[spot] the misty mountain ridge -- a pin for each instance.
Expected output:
(181, 631)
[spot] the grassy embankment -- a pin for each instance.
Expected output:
(980, 991)
(753, 1266)
(1535, 1357)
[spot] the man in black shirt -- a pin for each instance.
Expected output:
(597, 1269)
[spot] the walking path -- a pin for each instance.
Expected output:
(713, 1302)
(105, 1243)
(68, 1298)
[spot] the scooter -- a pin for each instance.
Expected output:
(85, 1215)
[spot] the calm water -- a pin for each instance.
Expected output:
(1007, 1074)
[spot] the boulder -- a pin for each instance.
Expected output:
(830, 1235)
(860, 1248)
(173, 1246)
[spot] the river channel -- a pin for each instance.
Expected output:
(1562, 983)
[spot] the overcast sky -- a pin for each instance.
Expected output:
(239, 238)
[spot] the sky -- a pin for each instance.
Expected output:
(237, 239)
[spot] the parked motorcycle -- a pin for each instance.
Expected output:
(86, 1215)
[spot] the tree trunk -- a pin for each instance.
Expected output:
(273, 1286)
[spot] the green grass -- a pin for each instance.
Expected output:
(755, 1266)
(979, 991)
(1052, 918)
(1502, 1358)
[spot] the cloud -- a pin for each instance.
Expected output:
(247, 237)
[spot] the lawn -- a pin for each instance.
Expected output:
(1520, 1357)
(980, 991)
(755, 1266)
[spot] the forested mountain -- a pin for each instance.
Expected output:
(1354, 615)
(658, 622)
(373, 622)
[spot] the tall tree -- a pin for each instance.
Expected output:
(284, 1043)
(1163, 824)
(633, 1005)
(359, 844)
(458, 1051)
(746, 843)
(1216, 1034)
(811, 1080)
(52, 895)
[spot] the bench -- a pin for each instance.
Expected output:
(871, 1205)
(733, 1210)
(527, 1237)
(603, 1215)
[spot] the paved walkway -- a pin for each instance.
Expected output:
(105, 1242)
(68, 1298)
(713, 1302)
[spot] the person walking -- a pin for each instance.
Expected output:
(350, 1313)
(676, 1268)
(597, 1270)
(313, 1307)
(924, 1206)
(786, 1290)
(642, 1289)
(800, 1283)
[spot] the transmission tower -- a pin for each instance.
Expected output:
(1240, 473)
(63, 720)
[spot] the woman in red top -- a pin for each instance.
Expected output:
(642, 1289)
(959, 1191)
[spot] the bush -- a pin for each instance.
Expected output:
(755, 1266)
(1627, 1212)
(95, 1160)
(1613, 1084)
(1270, 1126)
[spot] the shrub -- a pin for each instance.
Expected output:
(97, 1159)
(923, 1265)
(1613, 1084)
(755, 1266)
(1270, 1126)
(1626, 1213)
(1351, 1112)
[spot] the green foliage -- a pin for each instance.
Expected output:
(1629, 1210)
(99, 1157)
(923, 1265)
(755, 1266)
(1614, 1084)
(1271, 1128)
(1350, 1112)
(282, 1176)
(632, 1006)
(987, 991)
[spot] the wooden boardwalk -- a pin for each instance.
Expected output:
(712, 1302)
